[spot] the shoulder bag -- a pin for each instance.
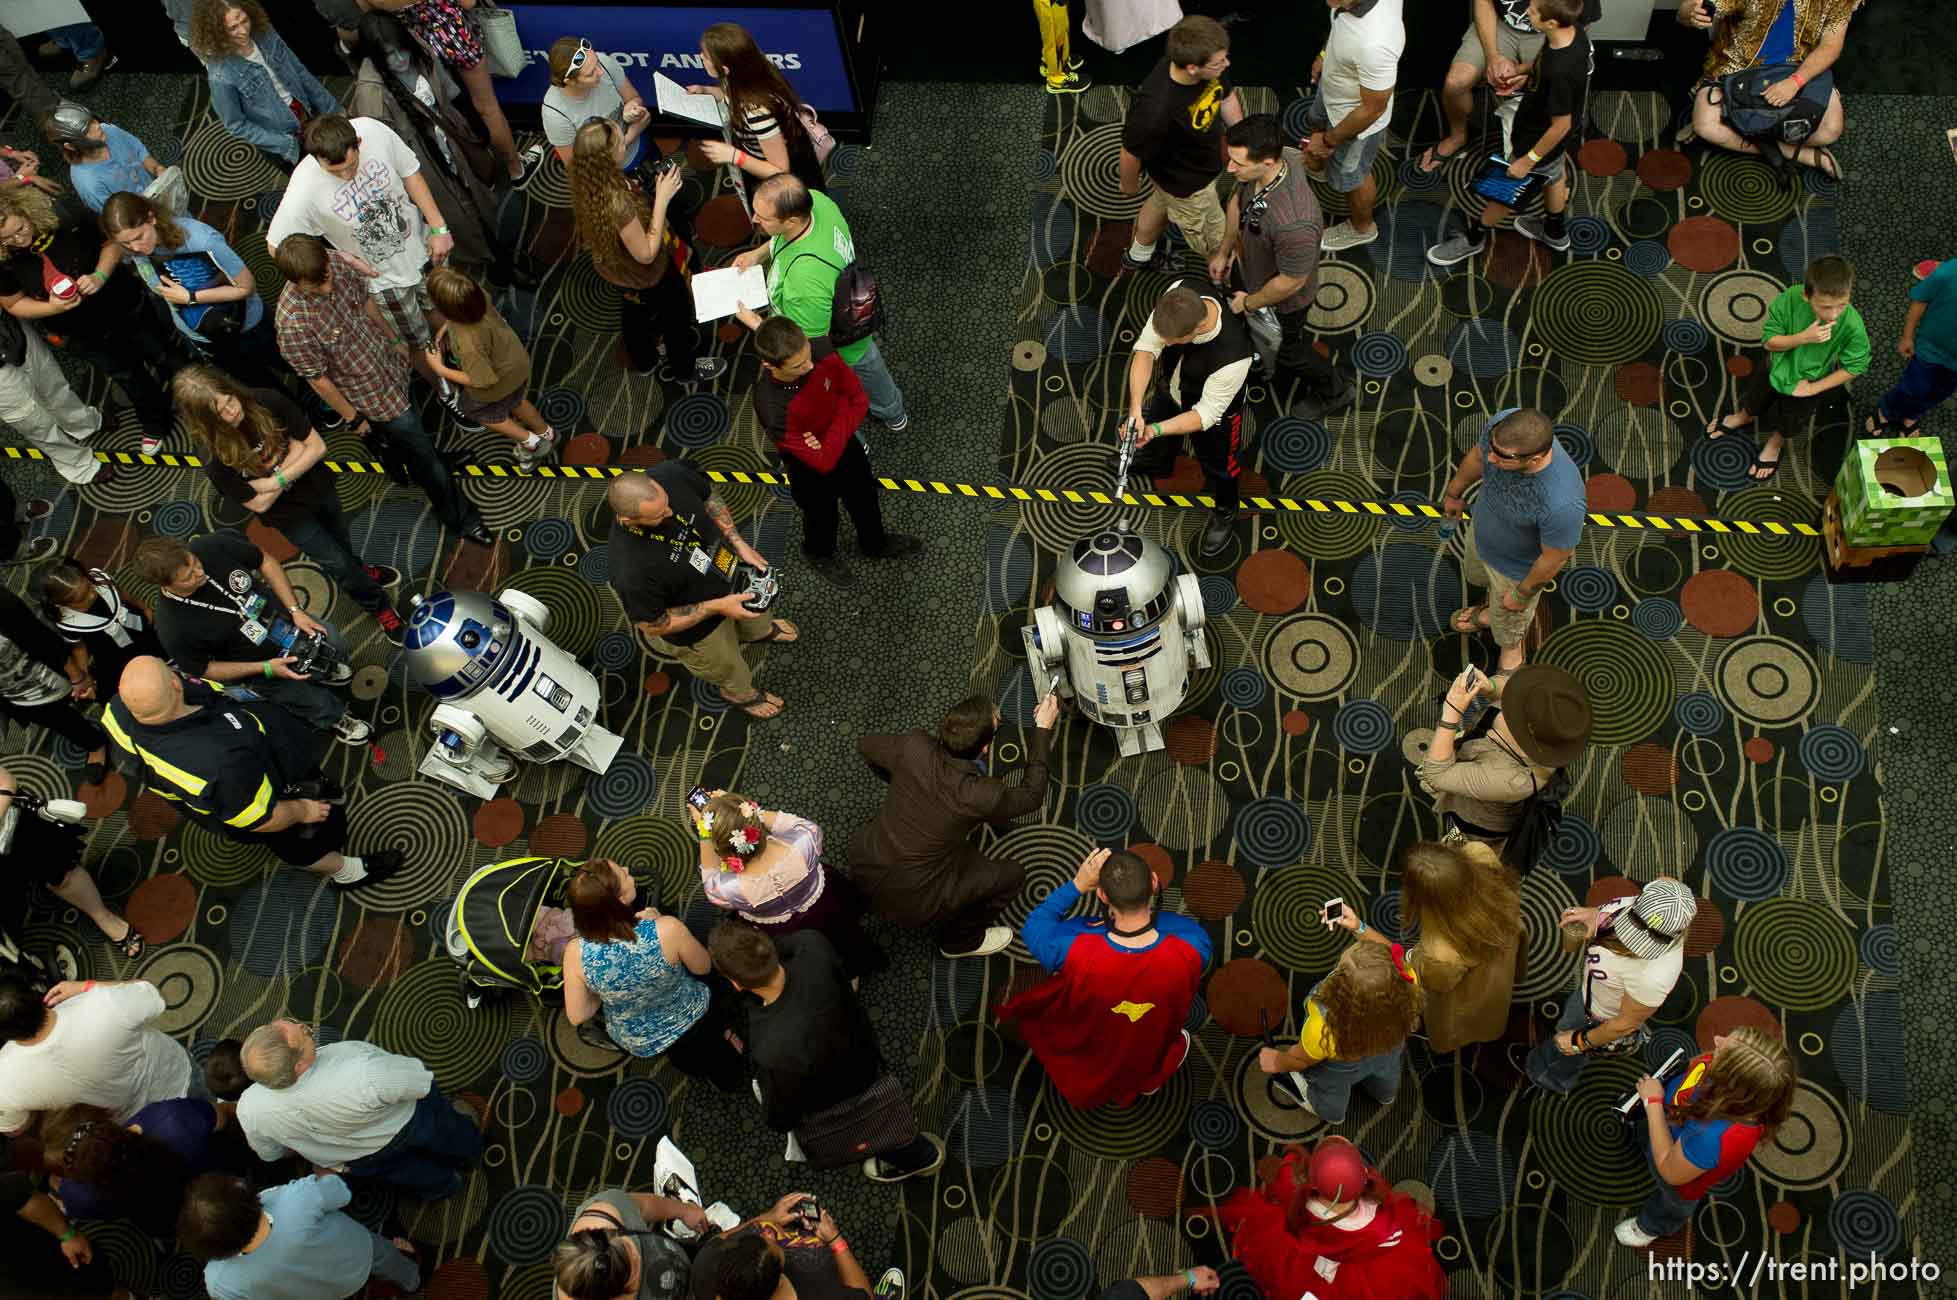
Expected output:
(501, 44)
(876, 1120)
(1742, 100)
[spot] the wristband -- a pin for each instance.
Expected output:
(1445, 725)
(1581, 1039)
(267, 666)
(1189, 1275)
(839, 1246)
(1799, 80)
(438, 230)
(1533, 156)
(1361, 930)
(278, 476)
(1155, 430)
(72, 1233)
(86, 987)
(740, 158)
(1654, 1101)
(104, 279)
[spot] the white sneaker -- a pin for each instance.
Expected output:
(1342, 236)
(350, 730)
(1630, 1234)
(527, 457)
(997, 937)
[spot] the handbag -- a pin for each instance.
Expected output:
(1742, 100)
(820, 140)
(501, 44)
(874, 1121)
(1266, 336)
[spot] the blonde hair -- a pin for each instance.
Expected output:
(197, 390)
(733, 815)
(1751, 1079)
(31, 206)
(1463, 896)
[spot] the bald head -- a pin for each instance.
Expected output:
(637, 499)
(149, 689)
(782, 204)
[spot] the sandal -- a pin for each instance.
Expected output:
(1824, 162)
(780, 630)
(132, 944)
(1469, 619)
(1433, 160)
(1876, 426)
(761, 704)
(1761, 462)
(1719, 428)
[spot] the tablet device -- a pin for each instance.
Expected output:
(1494, 182)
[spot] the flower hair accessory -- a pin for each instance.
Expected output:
(744, 841)
(1400, 962)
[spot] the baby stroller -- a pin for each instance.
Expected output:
(491, 922)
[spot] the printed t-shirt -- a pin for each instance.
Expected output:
(1718, 1146)
(370, 216)
(684, 561)
(1177, 130)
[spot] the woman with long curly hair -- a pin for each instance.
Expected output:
(763, 111)
(767, 868)
(1356, 1024)
(259, 89)
(1702, 1126)
(104, 1170)
(1328, 1225)
(1468, 906)
(260, 452)
(632, 246)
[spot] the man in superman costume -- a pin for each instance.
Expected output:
(1108, 1025)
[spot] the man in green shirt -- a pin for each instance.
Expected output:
(808, 248)
(1816, 342)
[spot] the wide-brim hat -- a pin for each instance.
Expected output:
(1655, 921)
(1548, 712)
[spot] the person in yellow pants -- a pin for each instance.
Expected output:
(1063, 76)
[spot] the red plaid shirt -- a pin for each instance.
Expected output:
(332, 336)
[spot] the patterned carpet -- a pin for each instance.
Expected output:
(1735, 692)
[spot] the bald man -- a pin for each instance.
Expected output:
(674, 549)
(232, 761)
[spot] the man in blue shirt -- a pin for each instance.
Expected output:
(103, 159)
(286, 1243)
(1929, 344)
(1526, 523)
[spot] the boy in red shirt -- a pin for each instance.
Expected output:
(811, 404)
(1109, 1025)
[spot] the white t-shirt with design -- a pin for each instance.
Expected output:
(369, 217)
(1609, 976)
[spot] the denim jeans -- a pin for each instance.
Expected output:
(411, 441)
(316, 705)
(886, 399)
(1924, 385)
(1329, 1084)
(323, 536)
(395, 1267)
(1549, 1068)
(1665, 1211)
(83, 40)
(427, 1157)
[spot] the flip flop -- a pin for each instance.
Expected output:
(780, 630)
(1719, 428)
(761, 704)
(131, 945)
(1468, 620)
(1822, 153)
(1760, 462)
(1432, 160)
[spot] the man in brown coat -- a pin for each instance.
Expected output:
(914, 859)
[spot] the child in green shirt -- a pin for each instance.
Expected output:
(1816, 342)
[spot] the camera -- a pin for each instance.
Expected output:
(649, 170)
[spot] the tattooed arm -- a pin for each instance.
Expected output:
(681, 617)
(718, 512)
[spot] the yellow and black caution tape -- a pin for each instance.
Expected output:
(993, 492)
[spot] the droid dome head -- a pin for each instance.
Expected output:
(454, 638)
(1114, 582)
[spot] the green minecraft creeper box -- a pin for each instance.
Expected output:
(1893, 491)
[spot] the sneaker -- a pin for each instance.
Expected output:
(891, 1285)
(708, 369)
(33, 550)
(1343, 236)
(151, 444)
(1630, 1234)
(1216, 533)
(479, 536)
(1538, 229)
(1070, 83)
(996, 939)
(900, 426)
(877, 1171)
(832, 568)
(350, 730)
(530, 160)
(38, 508)
(1317, 408)
(1159, 260)
(1454, 249)
(528, 457)
(896, 546)
(391, 626)
(340, 676)
(385, 574)
(91, 71)
(1186, 1044)
(379, 867)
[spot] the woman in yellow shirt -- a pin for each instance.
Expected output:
(1356, 1024)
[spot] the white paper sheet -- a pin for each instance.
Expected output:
(719, 293)
(674, 101)
(25, 18)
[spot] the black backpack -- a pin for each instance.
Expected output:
(1542, 817)
(1742, 101)
(856, 309)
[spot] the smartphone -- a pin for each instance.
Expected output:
(1710, 10)
(697, 796)
(809, 1211)
(1334, 909)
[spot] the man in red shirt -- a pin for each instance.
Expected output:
(811, 404)
(1109, 1025)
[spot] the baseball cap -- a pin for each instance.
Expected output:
(1655, 921)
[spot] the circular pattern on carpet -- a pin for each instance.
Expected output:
(224, 169)
(1577, 1136)
(1272, 831)
(1596, 313)
(1274, 581)
(1814, 1146)
(425, 822)
(1284, 916)
(1327, 536)
(1744, 189)
(1311, 657)
(1832, 753)
(637, 1108)
(697, 420)
(1344, 301)
(1090, 175)
(1115, 1133)
(526, 1224)
(422, 1014)
(1763, 555)
(1768, 681)
(1720, 602)
(1794, 954)
(1294, 446)
(1628, 678)
(1746, 863)
(1734, 305)
(1704, 244)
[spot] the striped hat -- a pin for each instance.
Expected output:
(1655, 921)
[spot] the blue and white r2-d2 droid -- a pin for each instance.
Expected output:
(503, 686)
(1122, 636)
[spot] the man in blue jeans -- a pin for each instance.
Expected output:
(332, 334)
(351, 1106)
(294, 1242)
(85, 43)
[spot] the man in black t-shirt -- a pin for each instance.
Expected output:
(1174, 135)
(219, 596)
(1500, 45)
(1547, 133)
(674, 554)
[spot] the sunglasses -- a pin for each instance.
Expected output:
(1630, 914)
(582, 53)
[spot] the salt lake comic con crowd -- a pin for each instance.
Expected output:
(384, 234)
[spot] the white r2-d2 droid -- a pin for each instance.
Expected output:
(1124, 631)
(506, 690)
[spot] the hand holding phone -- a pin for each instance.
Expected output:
(1334, 909)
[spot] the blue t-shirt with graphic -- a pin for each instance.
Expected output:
(122, 170)
(1517, 515)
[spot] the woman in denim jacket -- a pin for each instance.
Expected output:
(259, 89)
